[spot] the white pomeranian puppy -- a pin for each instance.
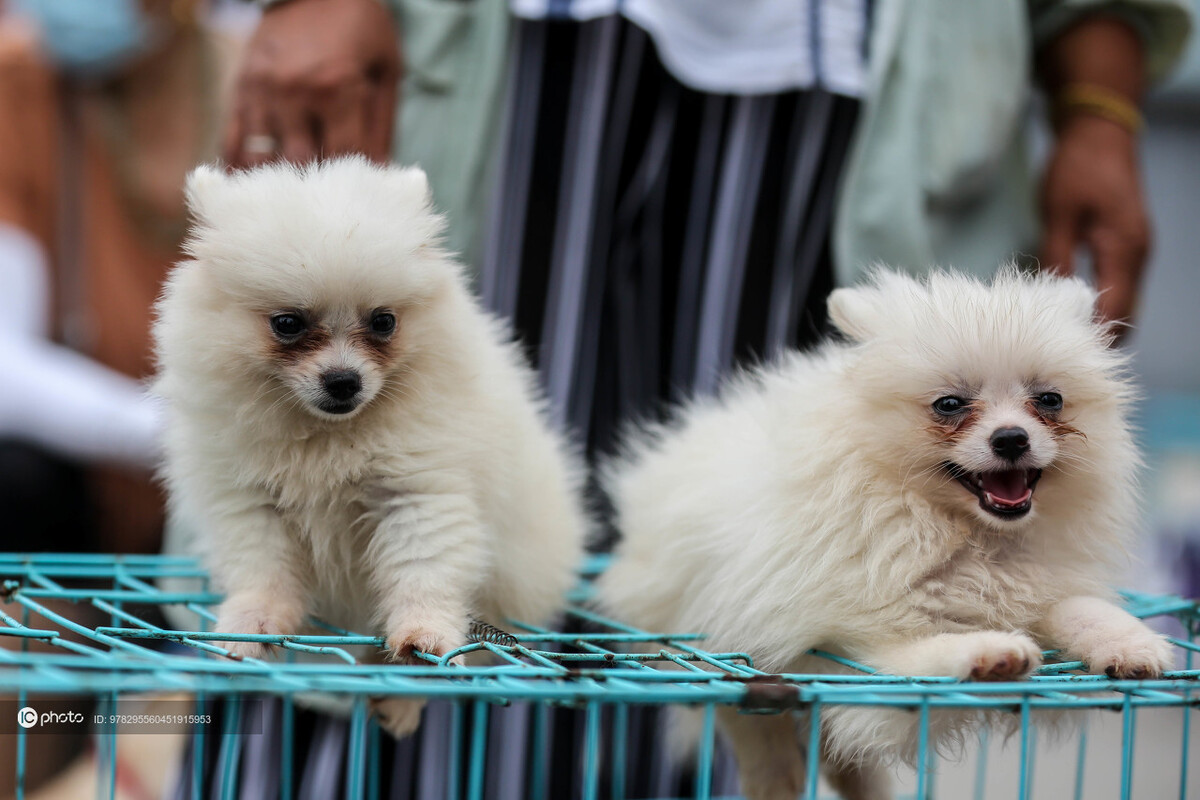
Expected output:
(943, 493)
(352, 436)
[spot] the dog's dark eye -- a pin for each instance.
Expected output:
(287, 324)
(1050, 401)
(949, 406)
(383, 322)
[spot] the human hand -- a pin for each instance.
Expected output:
(1091, 194)
(318, 79)
(1091, 191)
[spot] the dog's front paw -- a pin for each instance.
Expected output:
(433, 639)
(399, 716)
(250, 612)
(1136, 655)
(997, 656)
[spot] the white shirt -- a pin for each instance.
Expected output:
(52, 396)
(741, 46)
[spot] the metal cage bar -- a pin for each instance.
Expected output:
(595, 663)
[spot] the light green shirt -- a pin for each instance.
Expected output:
(450, 114)
(938, 174)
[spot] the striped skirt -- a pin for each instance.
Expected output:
(646, 237)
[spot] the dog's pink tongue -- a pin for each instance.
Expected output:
(1007, 488)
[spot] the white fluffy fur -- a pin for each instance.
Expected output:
(441, 497)
(808, 507)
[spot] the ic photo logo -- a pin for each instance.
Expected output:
(27, 717)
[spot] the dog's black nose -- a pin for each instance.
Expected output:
(341, 384)
(1010, 443)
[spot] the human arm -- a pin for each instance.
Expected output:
(1091, 191)
(52, 396)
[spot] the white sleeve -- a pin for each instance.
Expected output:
(52, 396)
(24, 284)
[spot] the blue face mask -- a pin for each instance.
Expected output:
(90, 38)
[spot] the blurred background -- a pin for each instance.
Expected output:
(652, 191)
(1167, 342)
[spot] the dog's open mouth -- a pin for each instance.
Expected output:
(1005, 493)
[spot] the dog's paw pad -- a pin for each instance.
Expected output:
(999, 667)
(1135, 672)
(251, 614)
(404, 643)
(1008, 658)
(241, 650)
(399, 716)
(1138, 658)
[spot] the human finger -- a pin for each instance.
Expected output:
(296, 119)
(231, 140)
(1119, 261)
(259, 143)
(344, 121)
(1060, 235)
(380, 106)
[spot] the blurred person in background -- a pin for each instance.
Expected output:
(104, 107)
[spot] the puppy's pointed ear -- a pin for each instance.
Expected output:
(854, 311)
(204, 185)
(410, 184)
(1081, 297)
(410, 191)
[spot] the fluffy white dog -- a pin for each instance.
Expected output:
(941, 494)
(352, 435)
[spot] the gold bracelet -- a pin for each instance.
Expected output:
(1091, 98)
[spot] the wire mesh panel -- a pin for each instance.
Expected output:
(603, 668)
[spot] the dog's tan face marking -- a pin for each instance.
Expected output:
(1053, 420)
(295, 349)
(377, 338)
(953, 413)
(335, 361)
(949, 429)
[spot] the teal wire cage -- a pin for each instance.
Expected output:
(605, 670)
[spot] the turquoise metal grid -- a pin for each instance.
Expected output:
(608, 665)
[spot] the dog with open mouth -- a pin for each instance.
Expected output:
(942, 492)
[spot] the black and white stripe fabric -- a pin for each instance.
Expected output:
(646, 237)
